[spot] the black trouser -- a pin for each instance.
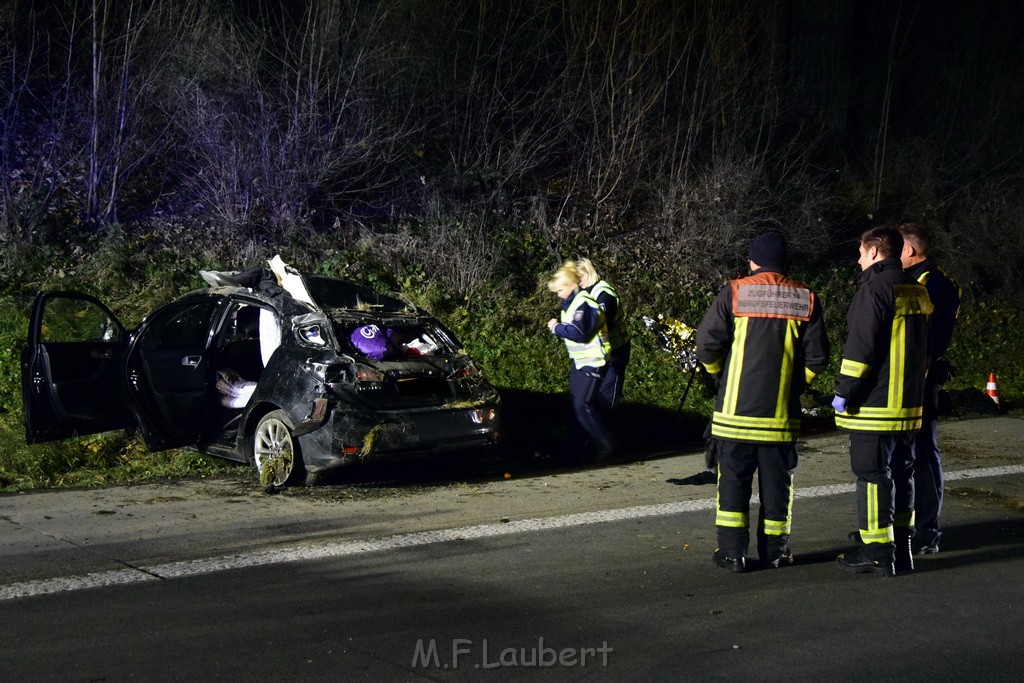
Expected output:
(590, 426)
(615, 375)
(928, 481)
(884, 465)
(774, 464)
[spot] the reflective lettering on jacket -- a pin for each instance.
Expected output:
(886, 353)
(593, 350)
(618, 334)
(765, 333)
(770, 300)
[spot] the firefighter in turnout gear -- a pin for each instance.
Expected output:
(945, 296)
(764, 338)
(581, 326)
(878, 399)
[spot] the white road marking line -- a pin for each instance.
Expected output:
(184, 569)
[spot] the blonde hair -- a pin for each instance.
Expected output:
(587, 272)
(567, 274)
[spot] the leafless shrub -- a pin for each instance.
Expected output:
(458, 255)
(980, 244)
(288, 129)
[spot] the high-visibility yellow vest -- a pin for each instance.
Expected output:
(618, 334)
(593, 352)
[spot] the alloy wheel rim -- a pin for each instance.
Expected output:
(274, 452)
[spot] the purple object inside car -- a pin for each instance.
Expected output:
(372, 341)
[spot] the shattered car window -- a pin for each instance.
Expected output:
(331, 294)
(185, 326)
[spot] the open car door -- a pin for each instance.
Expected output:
(169, 373)
(70, 368)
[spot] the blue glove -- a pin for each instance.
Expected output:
(839, 404)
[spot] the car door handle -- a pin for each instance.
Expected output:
(102, 353)
(191, 361)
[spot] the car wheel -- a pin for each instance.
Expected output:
(275, 452)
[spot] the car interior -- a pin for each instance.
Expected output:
(240, 361)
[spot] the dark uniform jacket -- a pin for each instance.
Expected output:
(886, 353)
(766, 334)
(945, 296)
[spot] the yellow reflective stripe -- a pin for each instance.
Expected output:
(809, 376)
(886, 412)
(874, 533)
(735, 366)
(852, 368)
(751, 421)
(897, 344)
(872, 506)
(855, 423)
(880, 419)
(903, 518)
(786, 376)
(747, 428)
(877, 535)
(735, 520)
(714, 368)
(754, 435)
(774, 527)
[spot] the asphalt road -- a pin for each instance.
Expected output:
(590, 573)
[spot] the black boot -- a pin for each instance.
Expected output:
(733, 564)
(859, 561)
(774, 551)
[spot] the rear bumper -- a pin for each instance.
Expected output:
(345, 438)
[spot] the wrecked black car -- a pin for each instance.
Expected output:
(296, 380)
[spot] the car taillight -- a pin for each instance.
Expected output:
(364, 374)
(467, 370)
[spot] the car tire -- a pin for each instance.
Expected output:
(275, 452)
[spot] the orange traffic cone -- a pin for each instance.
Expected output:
(992, 391)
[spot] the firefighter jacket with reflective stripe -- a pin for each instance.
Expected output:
(945, 296)
(886, 353)
(583, 330)
(765, 334)
(614, 314)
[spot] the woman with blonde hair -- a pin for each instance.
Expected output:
(618, 334)
(581, 326)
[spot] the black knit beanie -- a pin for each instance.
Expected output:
(768, 250)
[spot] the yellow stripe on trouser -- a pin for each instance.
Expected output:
(736, 520)
(874, 534)
(904, 518)
(774, 527)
